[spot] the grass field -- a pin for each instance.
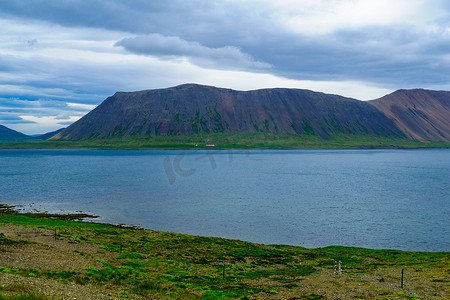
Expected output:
(134, 263)
(242, 140)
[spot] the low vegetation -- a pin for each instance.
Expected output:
(133, 263)
(241, 140)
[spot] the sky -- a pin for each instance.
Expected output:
(59, 59)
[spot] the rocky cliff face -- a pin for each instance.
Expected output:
(419, 114)
(190, 109)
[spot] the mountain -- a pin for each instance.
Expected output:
(46, 136)
(189, 109)
(419, 114)
(8, 135)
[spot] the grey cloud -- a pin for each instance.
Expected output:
(138, 16)
(39, 77)
(391, 57)
(31, 42)
(211, 23)
(12, 108)
(159, 45)
(6, 118)
(65, 123)
(394, 56)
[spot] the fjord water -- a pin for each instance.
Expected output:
(396, 199)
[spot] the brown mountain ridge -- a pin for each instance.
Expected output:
(192, 109)
(420, 114)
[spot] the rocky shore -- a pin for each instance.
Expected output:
(60, 259)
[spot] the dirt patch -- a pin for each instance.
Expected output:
(38, 249)
(45, 252)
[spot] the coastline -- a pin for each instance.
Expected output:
(112, 262)
(231, 141)
(362, 147)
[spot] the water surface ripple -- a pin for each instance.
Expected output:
(312, 198)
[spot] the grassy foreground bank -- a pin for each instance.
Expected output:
(45, 258)
(241, 140)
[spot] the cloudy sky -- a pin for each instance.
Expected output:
(61, 58)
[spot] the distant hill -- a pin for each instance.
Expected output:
(8, 135)
(419, 114)
(48, 135)
(189, 109)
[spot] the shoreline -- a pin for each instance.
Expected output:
(231, 148)
(49, 258)
(88, 218)
(78, 216)
(231, 141)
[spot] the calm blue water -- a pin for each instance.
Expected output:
(313, 198)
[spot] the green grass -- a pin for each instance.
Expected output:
(5, 241)
(147, 262)
(241, 140)
(15, 291)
